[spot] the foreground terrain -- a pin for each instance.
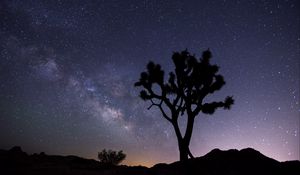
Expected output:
(232, 162)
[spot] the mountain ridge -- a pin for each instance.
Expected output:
(228, 162)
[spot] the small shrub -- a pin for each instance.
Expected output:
(111, 157)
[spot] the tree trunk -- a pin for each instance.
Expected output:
(184, 142)
(183, 151)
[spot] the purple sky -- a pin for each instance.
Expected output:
(67, 71)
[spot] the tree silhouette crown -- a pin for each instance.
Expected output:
(192, 81)
(183, 92)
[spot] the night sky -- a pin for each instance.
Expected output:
(67, 70)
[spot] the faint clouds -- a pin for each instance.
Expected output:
(11, 48)
(118, 89)
(48, 70)
(107, 114)
(111, 114)
(73, 82)
(112, 81)
(89, 85)
(11, 43)
(40, 60)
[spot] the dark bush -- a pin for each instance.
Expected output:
(111, 157)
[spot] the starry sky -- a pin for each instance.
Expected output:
(67, 70)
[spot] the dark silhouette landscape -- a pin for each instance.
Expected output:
(231, 162)
(163, 81)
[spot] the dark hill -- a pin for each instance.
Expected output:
(246, 161)
(232, 162)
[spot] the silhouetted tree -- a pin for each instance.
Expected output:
(184, 92)
(111, 157)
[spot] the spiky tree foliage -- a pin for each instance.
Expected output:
(184, 92)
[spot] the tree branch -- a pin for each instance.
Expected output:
(161, 97)
(190, 154)
(176, 100)
(179, 108)
(161, 109)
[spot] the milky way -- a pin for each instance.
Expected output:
(67, 70)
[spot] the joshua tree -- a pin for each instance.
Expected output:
(111, 157)
(184, 92)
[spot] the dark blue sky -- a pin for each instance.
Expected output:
(67, 70)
